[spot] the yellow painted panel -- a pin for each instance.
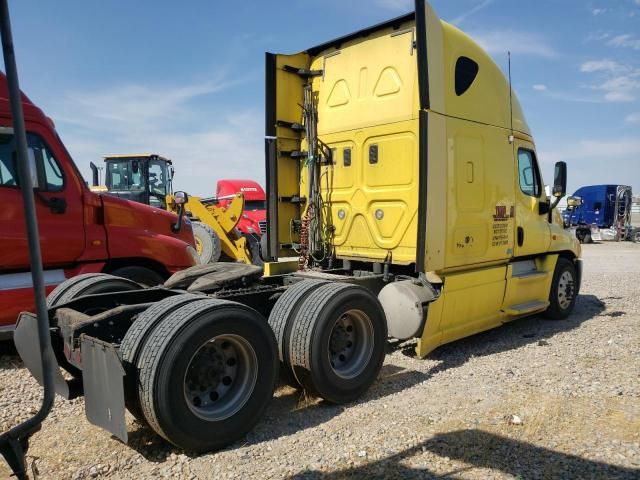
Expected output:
(472, 302)
(358, 191)
(487, 99)
(469, 172)
(289, 97)
(367, 82)
(396, 152)
(480, 223)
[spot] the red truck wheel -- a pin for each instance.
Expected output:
(88, 284)
(141, 275)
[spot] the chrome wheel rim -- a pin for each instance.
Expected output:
(565, 290)
(350, 344)
(221, 377)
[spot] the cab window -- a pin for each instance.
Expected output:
(46, 171)
(158, 177)
(528, 173)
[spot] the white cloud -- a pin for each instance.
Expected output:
(168, 120)
(472, 11)
(397, 5)
(627, 40)
(622, 88)
(598, 11)
(601, 66)
(540, 87)
(620, 82)
(518, 42)
(633, 118)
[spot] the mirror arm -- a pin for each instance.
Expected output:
(178, 225)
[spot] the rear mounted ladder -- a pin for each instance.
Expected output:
(285, 132)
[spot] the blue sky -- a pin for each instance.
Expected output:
(186, 79)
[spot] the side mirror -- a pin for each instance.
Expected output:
(180, 199)
(573, 202)
(560, 180)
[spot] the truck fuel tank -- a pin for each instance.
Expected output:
(404, 303)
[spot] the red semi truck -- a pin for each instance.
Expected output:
(80, 231)
(254, 216)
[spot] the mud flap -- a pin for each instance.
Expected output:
(26, 340)
(102, 378)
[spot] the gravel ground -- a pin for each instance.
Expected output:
(532, 399)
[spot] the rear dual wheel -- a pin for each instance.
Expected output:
(332, 338)
(206, 373)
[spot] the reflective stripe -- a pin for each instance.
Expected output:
(14, 281)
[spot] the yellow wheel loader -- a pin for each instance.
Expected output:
(147, 178)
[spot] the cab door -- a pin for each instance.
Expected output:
(58, 200)
(532, 206)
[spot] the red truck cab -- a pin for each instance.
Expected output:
(80, 231)
(254, 217)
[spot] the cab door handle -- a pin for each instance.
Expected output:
(520, 236)
(57, 205)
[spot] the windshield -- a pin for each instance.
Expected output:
(253, 205)
(125, 175)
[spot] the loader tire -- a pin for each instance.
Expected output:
(134, 340)
(563, 294)
(207, 243)
(141, 275)
(89, 284)
(253, 245)
(207, 374)
(281, 320)
(337, 342)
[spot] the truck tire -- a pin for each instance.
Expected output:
(207, 374)
(337, 342)
(56, 293)
(253, 244)
(562, 296)
(281, 321)
(586, 238)
(207, 243)
(89, 284)
(141, 275)
(133, 343)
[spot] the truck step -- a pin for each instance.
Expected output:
(530, 275)
(528, 307)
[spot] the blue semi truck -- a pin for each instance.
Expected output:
(601, 212)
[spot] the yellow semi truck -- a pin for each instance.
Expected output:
(403, 179)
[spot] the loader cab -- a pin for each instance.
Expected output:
(141, 178)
